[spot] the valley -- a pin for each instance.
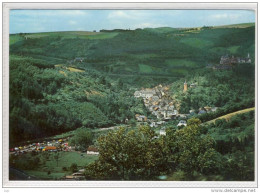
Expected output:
(174, 102)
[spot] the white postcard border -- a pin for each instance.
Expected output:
(185, 184)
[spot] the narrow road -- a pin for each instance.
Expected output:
(228, 116)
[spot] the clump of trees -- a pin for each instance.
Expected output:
(82, 139)
(132, 155)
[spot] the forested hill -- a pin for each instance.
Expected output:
(45, 100)
(61, 81)
(152, 55)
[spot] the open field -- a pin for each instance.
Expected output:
(56, 168)
(242, 25)
(72, 35)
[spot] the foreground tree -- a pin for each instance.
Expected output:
(190, 151)
(142, 155)
(133, 155)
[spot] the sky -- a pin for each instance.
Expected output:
(30, 21)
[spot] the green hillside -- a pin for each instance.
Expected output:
(75, 83)
(47, 78)
(46, 100)
(167, 51)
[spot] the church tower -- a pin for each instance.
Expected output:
(185, 88)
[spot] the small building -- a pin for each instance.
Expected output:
(214, 109)
(202, 112)
(171, 108)
(192, 111)
(162, 132)
(81, 171)
(92, 151)
(140, 118)
(193, 85)
(50, 148)
(207, 108)
(224, 60)
(155, 108)
(182, 123)
(184, 116)
(172, 115)
(78, 59)
(137, 94)
(77, 174)
(153, 124)
(160, 122)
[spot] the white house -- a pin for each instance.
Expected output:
(182, 123)
(162, 132)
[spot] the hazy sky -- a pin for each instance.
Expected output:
(89, 20)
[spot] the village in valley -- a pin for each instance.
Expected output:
(159, 102)
(162, 106)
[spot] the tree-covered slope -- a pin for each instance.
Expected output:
(153, 52)
(46, 100)
(51, 92)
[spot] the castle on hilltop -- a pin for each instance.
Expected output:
(227, 60)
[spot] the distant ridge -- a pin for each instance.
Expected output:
(159, 29)
(240, 25)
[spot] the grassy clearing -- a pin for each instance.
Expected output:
(145, 68)
(230, 115)
(14, 38)
(233, 49)
(179, 71)
(74, 69)
(180, 63)
(35, 36)
(62, 72)
(241, 25)
(196, 42)
(71, 69)
(65, 160)
(45, 175)
(103, 36)
(162, 29)
(73, 35)
(144, 56)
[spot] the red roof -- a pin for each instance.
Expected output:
(92, 149)
(50, 148)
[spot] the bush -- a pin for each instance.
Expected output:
(73, 167)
